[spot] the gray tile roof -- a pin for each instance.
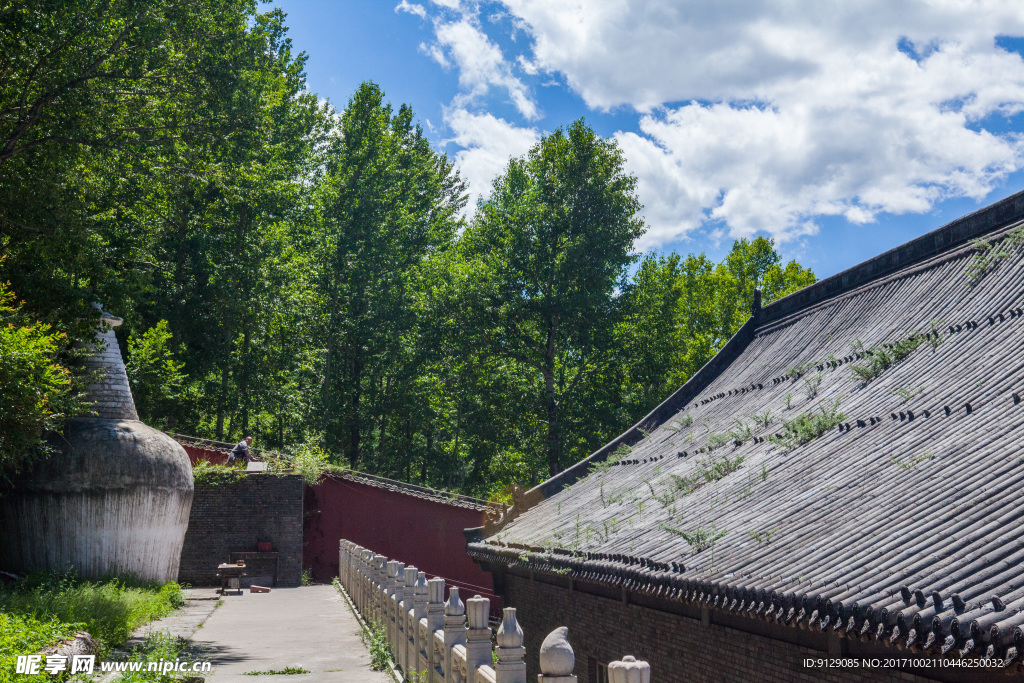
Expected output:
(901, 523)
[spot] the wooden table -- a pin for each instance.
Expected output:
(226, 572)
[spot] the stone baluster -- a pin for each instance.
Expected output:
(629, 670)
(349, 560)
(394, 570)
(364, 593)
(408, 600)
(419, 611)
(397, 630)
(478, 635)
(435, 619)
(454, 632)
(346, 572)
(350, 568)
(375, 587)
(511, 666)
(360, 571)
(557, 660)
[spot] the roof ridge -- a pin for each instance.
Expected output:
(957, 232)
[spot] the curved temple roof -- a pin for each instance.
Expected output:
(900, 521)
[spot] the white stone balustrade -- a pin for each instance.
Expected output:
(438, 641)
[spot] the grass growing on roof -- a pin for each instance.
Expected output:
(809, 425)
(109, 610)
(698, 539)
(679, 423)
(986, 255)
(613, 459)
(877, 359)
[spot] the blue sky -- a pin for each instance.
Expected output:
(841, 129)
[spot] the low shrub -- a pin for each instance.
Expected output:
(109, 610)
(207, 473)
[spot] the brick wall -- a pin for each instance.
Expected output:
(228, 518)
(686, 645)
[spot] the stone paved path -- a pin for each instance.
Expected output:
(308, 627)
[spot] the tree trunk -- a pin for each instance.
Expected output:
(354, 426)
(554, 435)
(243, 388)
(221, 400)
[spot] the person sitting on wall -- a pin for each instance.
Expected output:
(240, 453)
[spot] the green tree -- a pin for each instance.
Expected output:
(35, 388)
(386, 204)
(555, 236)
(681, 311)
(156, 378)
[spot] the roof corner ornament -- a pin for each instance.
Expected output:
(755, 307)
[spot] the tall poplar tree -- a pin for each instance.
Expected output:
(556, 235)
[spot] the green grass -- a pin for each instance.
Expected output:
(287, 671)
(155, 648)
(375, 638)
(108, 610)
(698, 539)
(810, 425)
(986, 255)
(878, 359)
(22, 634)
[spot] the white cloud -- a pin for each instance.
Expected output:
(487, 144)
(481, 64)
(411, 8)
(763, 116)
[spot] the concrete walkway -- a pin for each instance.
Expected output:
(308, 627)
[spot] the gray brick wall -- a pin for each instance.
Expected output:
(683, 648)
(234, 517)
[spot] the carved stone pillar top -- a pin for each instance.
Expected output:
(629, 670)
(477, 610)
(435, 592)
(556, 656)
(410, 575)
(510, 634)
(454, 607)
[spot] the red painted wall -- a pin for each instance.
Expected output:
(403, 527)
(195, 454)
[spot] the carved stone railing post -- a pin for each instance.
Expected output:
(557, 660)
(628, 670)
(399, 629)
(367, 574)
(511, 666)
(435, 621)
(454, 632)
(380, 591)
(405, 614)
(419, 613)
(361, 582)
(394, 574)
(478, 635)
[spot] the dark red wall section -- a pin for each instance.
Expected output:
(401, 526)
(195, 454)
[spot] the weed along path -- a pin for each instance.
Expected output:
(308, 628)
